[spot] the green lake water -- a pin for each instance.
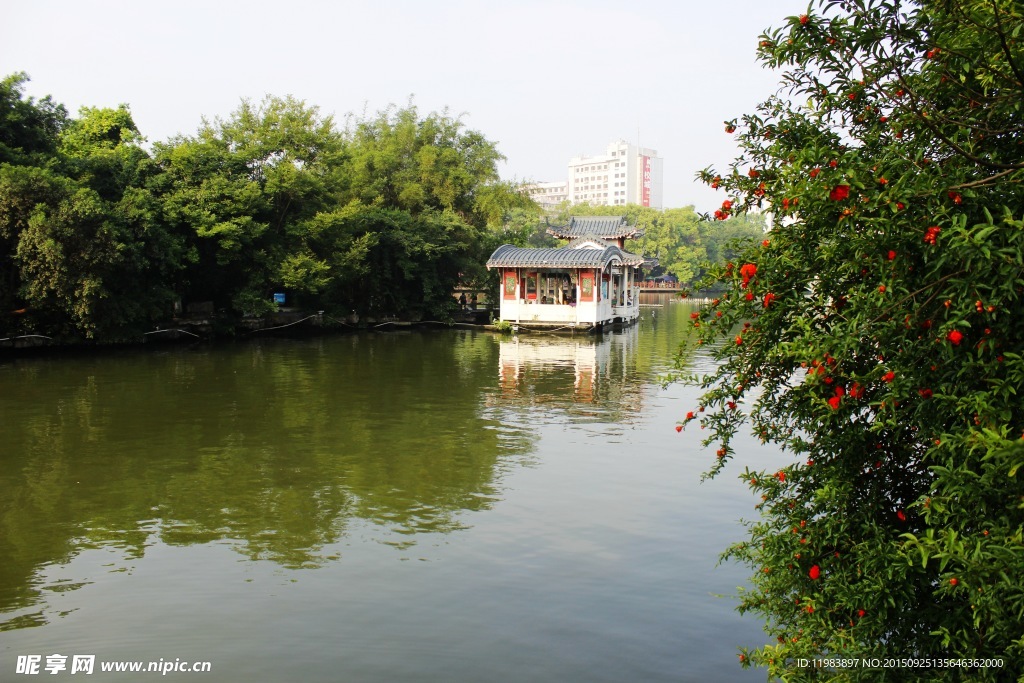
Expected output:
(426, 505)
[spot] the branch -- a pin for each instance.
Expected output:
(984, 181)
(915, 293)
(960, 150)
(1006, 48)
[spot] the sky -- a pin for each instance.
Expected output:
(546, 80)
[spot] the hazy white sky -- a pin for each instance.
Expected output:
(546, 80)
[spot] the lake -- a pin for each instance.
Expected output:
(424, 505)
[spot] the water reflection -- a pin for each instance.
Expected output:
(445, 505)
(275, 448)
(546, 378)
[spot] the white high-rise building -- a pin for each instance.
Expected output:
(626, 174)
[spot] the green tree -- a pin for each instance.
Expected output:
(399, 160)
(242, 192)
(87, 254)
(725, 240)
(387, 262)
(28, 135)
(27, 127)
(875, 336)
(444, 180)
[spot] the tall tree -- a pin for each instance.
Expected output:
(241, 191)
(445, 179)
(84, 254)
(400, 160)
(874, 335)
(29, 131)
(93, 258)
(27, 127)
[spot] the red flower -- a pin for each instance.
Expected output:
(729, 128)
(955, 337)
(901, 515)
(953, 581)
(768, 299)
(834, 402)
(732, 405)
(815, 172)
(753, 173)
(747, 271)
(955, 196)
(694, 315)
(739, 340)
(925, 393)
(883, 181)
(889, 376)
(679, 428)
(804, 19)
(749, 296)
(726, 205)
(931, 234)
(833, 163)
(839, 193)
(690, 415)
(881, 288)
(900, 205)
(856, 391)
(861, 613)
(814, 573)
(716, 182)
(720, 215)
(892, 255)
(765, 243)
(780, 475)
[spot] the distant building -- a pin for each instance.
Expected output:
(549, 194)
(625, 174)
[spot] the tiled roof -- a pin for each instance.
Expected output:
(510, 256)
(584, 239)
(606, 227)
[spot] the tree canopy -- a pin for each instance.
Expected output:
(101, 239)
(874, 334)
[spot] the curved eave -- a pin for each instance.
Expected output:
(511, 256)
(567, 233)
(605, 227)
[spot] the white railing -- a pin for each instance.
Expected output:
(531, 312)
(584, 313)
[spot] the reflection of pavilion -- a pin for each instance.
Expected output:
(540, 365)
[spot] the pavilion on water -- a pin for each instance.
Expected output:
(589, 283)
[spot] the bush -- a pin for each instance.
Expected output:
(876, 336)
